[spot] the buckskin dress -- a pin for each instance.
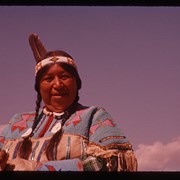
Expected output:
(91, 141)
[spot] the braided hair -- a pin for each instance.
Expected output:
(26, 145)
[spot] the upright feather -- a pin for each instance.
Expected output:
(37, 47)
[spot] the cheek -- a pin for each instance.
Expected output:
(73, 88)
(44, 91)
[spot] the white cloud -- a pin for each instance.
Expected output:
(159, 156)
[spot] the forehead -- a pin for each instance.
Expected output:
(53, 68)
(57, 67)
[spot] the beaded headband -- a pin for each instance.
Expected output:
(54, 59)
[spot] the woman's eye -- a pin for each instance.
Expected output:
(48, 79)
(64, 77)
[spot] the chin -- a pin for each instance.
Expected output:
(60, 107)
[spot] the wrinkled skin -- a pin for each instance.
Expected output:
(58, 89)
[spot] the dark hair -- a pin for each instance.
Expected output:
(26, 146)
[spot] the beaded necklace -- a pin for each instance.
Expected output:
(48, 113)
(55, 114)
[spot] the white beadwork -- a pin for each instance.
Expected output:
(27, 133)
(56, 127)
(48, 113)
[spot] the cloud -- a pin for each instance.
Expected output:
(159, 156)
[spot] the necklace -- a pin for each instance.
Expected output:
(49, 113)
(58, 125)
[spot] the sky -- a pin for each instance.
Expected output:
(128, 58)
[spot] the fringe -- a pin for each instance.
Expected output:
(127, 161)
(116, 160)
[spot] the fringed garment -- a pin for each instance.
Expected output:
(90, 141)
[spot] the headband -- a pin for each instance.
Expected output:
(54, 59)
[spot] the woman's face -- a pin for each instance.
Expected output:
(58, 89)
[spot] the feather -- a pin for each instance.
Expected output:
(37, 47)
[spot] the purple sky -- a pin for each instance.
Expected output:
(128, 59)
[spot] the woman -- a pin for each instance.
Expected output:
(62, 134)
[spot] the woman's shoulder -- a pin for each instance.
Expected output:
(90, 108)
(83, 106)
(18, 123)
(25, 114)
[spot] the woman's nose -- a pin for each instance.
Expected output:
(57, 82)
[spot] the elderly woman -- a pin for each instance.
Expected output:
(62, 134)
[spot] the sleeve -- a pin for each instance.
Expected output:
(3, 133)
(7, 130)
(108, 148)
(20, 164)
(62, 165)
